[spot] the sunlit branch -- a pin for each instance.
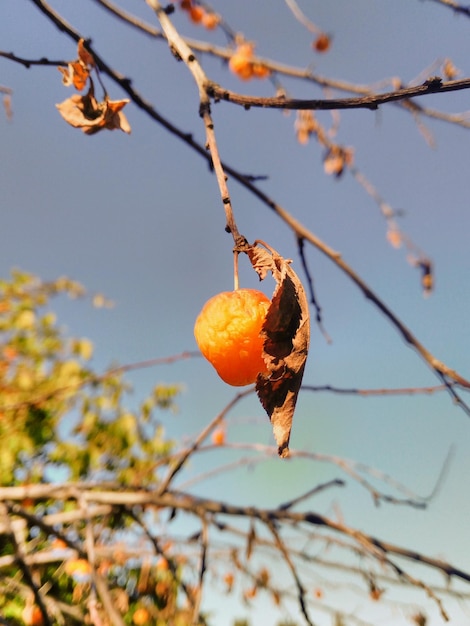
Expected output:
(304, 74)
(198, 505)
(181, 48)
(433, 85)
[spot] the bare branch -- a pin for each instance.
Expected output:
(287, 558)
(455, 6)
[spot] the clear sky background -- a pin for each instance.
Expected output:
(139, 218)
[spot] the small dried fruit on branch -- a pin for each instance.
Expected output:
(227, 332)
(242, 63)
(200, 15)
(196, 13)
(322, 43)
(427, 276)
(218, 437)
(210, 20)
(394, 237)
(305, 125)
(337, 159)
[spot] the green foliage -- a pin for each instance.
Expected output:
(46, 383)
(61, 420)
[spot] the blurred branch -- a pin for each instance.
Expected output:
(19, 558)
(285, 552)
(200, 506)
(455, 6)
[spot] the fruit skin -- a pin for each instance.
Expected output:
(141, 616)
(218, 437)
(227, 332)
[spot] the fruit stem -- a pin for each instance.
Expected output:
(236, 283)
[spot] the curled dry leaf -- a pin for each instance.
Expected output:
(75, 74)
(286, 330)
(91, 116)
(85, 57)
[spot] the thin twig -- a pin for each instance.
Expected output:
(185, 454)
(313, 299)
(202, 569)
(290, 564)
(311, 492)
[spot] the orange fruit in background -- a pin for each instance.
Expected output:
(32, 616)
(322, 43)
(141, 616)
(218, 437)
(227, 332)
(196, 14)
(240, 62)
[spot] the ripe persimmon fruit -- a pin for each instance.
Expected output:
(227, 332)
(218, 437)
(141, 616)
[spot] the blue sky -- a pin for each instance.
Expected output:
(139, 218)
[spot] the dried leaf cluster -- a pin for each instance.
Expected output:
(85, 111)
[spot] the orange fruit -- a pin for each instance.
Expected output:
(32, 616)
(240, 62)
(227, 332)
(210, 20)
(141, 616)
(260, 71)
(196, 14)
(322, 43)
(218, 437)
(162, 564)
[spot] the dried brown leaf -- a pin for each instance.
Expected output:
(251, 539)
(85, 57)
(76, 74)
(8, 107)
(286, 330)
(91, 116)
